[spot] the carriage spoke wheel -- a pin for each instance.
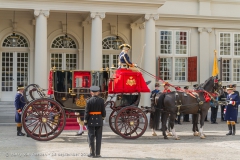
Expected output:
(131, 122)
(112, 118)
(32, 92)
(43, 119)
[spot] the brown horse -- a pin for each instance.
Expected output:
(173, 103)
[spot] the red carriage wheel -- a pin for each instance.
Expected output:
(131, 122)
(43, 119)
(32, 92)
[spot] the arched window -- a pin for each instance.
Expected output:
(21, 41)
(63, 58)
(15, 66)
(58, 43)
(110, 52)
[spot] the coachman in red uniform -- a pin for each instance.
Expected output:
(166, 86)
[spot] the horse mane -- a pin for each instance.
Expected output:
(203, 85)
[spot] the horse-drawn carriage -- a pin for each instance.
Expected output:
(44, 116)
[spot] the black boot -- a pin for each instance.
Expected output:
(19, 131)
(234, 130)
(230, 129)
(92, 151)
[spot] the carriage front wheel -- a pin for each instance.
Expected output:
(131, 122)
(43, 119)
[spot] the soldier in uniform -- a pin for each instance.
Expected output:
(231, 110)
(19, 104)
(152, 97)
(124, 60)
(94, 115)
(221, 98)
(235, 91)
(186, 116)
(166, 87)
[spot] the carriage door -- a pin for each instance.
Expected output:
(15, 63)
(14, 72)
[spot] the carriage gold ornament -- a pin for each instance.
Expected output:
(131, 81)
(81, 102)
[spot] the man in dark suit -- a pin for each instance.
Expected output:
(186, 116)
(223, 97)
(19, 104)
(94, 115)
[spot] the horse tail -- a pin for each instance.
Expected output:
(157, 113)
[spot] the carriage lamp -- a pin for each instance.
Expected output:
(117, 42)
(13, 39)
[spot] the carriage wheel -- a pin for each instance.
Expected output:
(131, 122)
(32, 92)
(112, 118)
(43, 119)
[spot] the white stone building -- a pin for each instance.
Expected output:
(171, 30)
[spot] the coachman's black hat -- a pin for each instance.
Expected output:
(195, 85)
(125, 45)
(20, 86)
(224, 87)
(186, 87)
(94, 88)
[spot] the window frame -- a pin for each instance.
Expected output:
(173, 54)
(231, 57)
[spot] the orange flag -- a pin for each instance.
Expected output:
(215, 70)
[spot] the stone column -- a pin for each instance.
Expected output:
(41, 60)
(96, 40)
(149, 57)
(87, 45)
(204, 54)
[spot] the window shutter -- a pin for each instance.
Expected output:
(192, 69)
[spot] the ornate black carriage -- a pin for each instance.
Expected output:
(44, 116)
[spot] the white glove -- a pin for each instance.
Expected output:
(20, 113)
(231, 102)
(135, 65)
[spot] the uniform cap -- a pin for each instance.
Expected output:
(94, 88)
(166, 84)
(20, 86)
(125, 45)
(229, 87)
(195, 85)
(157, 84)
(186, 87)
(224, 87)
(234, 85)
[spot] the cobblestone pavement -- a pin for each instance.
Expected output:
(67, 146)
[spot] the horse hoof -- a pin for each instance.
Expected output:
(169, 134)
(166, 137)
(195, 134)
(154, 134)
(177, 138)
(202, 137)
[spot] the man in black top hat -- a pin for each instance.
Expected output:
(94, 115)
(223, 97)
(186, 116)
(19, 104)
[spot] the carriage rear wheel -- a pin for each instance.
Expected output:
(43, 119)
(131, 122)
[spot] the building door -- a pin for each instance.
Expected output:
(15, 66)
(14, 72)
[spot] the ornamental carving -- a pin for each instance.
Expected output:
(81, 102)
(131, 81)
